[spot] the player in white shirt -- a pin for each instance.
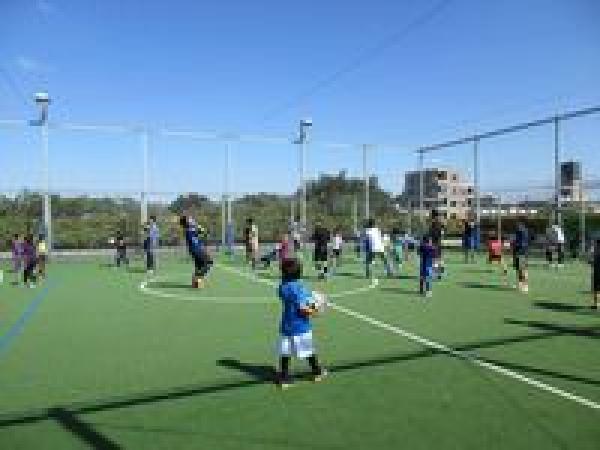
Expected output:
(336, 249)
(374, 248)
(555, 242)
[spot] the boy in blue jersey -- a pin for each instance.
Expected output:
(520, 253)
(295, 328)
(428, 253)
(197, 250)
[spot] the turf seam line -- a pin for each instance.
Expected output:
(17, 328)
(450, 351)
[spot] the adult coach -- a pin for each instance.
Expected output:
(520, 255)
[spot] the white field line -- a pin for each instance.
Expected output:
(448, 350)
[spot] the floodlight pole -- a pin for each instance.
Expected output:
(228, 182)
(365, 150)
(582, 217)
(144, 139)
(476, 182)
(557, 178)
(302, 140)
(47, 200)
(42, 100)
(421, 190)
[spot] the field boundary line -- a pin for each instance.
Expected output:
(17, 328)
(450, 351)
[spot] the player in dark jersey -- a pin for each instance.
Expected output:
(121, 246)
(320, 238)
(197, 250)
(436, 234)
(520, 247)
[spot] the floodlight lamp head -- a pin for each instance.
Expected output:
(306, 122)
(42, 98)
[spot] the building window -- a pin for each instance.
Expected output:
(442, 176)
(454, 177)
(469, 202)
(453, 216)
(453, 204)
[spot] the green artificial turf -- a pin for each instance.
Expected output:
(88, 359)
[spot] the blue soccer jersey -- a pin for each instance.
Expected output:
(521, 245)
(294, 295)
(194, 243)
(427, 252)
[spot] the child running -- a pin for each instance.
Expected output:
(295, 327)
(427, 251)
(375, 248)
(197, 249)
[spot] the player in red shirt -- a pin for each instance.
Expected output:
(495, 254)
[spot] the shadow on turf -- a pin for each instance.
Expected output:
(564, 307)
(488, 286)
(574, 330)
(66, 414)
(81, 429)
(170, 285)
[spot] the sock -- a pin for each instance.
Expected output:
(284, 365)
(314, 365)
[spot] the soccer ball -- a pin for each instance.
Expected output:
(319, 301)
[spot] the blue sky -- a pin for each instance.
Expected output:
(224, 65)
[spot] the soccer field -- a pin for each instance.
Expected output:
(103, 357)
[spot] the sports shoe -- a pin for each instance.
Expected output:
(284, 382)
(428, 294)
(317, 378)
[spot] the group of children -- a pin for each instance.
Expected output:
(29, 257)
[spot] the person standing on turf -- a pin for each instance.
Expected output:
(154, 241)
(121, 246)
(29, 261)
(596, 274)
(397, 248)
(520, 247)
(338, 242)
(436, 234)
(295, 327)
(320, 240)
(17, 256)
(42, 256)
(469, 240)
(427, 252)
(251, 241)
(374, 248)
(197, 250)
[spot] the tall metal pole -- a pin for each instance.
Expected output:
(228, 183)
(499, 225)
(144, 203)
(47, 200)
(303, 214)
(476, 182)
(365, 149)
(421, 191)
(582, 217)
(557, 183)
(355, 214)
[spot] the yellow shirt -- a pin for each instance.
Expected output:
(42, 248)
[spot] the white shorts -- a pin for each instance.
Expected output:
(300, 346)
